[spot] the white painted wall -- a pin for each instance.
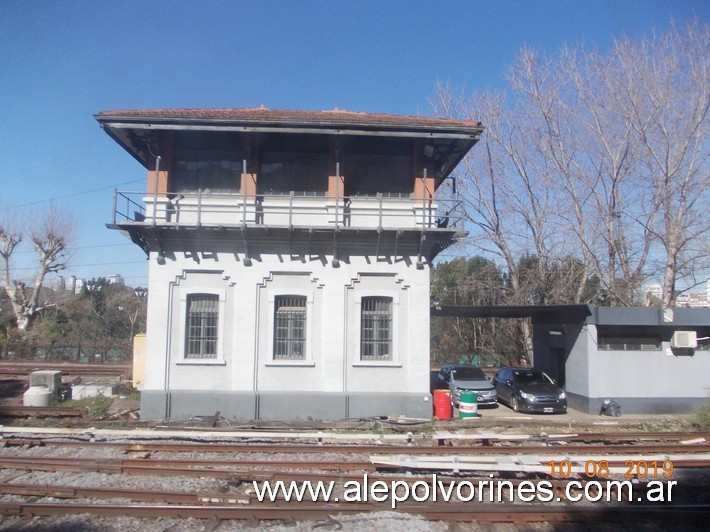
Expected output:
(246, 323)
(650, 374)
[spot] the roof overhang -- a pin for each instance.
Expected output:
(134, 130)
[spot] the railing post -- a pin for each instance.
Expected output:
(337, 187)
(155, 188)
(424, 194)
(244, 192)
(199, 207)
(379, 198)
(290, 210)
(115, 204)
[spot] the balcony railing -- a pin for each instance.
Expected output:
(290, 210)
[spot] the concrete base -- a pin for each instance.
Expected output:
(638, 405)
(37, 396)
(282, 405)
(49, 378)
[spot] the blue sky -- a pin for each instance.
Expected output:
(62, 61)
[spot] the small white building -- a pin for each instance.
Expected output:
(116, 279)
(289, 256)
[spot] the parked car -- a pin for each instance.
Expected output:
(529, 390)
(466, 378)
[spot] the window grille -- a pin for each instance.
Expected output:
(290, 327)
(202, 320)
(376, 328)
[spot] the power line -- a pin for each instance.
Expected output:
(72, 248)
(73, 266)
(73, 194)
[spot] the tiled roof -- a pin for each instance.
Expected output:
(335, 117)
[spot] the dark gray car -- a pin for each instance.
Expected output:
(529, 390)
(466, 378)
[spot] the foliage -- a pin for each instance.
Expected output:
(473, 281)
(479, 281)
(128, 391)
(95, 406)
(701, 419)
(96, 325)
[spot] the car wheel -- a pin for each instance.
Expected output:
(514, 403)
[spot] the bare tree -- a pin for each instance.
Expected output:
(510, 198)
(668, 95)
(594, 156)
(50, 234)
(597, 160)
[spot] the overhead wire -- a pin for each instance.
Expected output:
(73, 194)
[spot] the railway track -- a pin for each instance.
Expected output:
(701, 445)
(696, 514)
(25, 368)
(54, 476)
(40, 411)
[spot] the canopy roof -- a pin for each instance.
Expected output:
(450, 140)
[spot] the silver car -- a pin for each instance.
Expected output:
(466, 378)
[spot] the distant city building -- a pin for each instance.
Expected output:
(74, 284)
(115, 279)
(693, 300)
(79, 285)
(653, 293)
(690, 299)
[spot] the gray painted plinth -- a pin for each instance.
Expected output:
(282, 405)
(638, 405)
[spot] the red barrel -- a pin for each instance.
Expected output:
(442, 404)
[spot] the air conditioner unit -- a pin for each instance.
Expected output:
(686, 339)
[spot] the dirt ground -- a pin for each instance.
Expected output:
(12, 389)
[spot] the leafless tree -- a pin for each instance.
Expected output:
(599, 158)
(50, 234)
(668, 94)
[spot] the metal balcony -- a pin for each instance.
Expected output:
(210, 209)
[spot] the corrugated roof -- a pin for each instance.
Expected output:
(335, 117)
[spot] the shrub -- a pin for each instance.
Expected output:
(702, 417)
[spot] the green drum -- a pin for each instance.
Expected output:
(468, 405)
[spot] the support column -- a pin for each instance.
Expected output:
(336, 181)
(250, 154)
(423, 186)
(161, 174)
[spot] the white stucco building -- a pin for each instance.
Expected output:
(289, 256)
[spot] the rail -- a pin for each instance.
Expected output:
(205, 207)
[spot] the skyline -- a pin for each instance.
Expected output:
(62, 62)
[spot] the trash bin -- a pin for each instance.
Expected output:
(468, 405)
(442, 404)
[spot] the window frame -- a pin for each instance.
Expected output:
(218, 357)
(293, 164)
(188, 181)
(380, 337)
(307, 359)
(356, 323)
(287, 326)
